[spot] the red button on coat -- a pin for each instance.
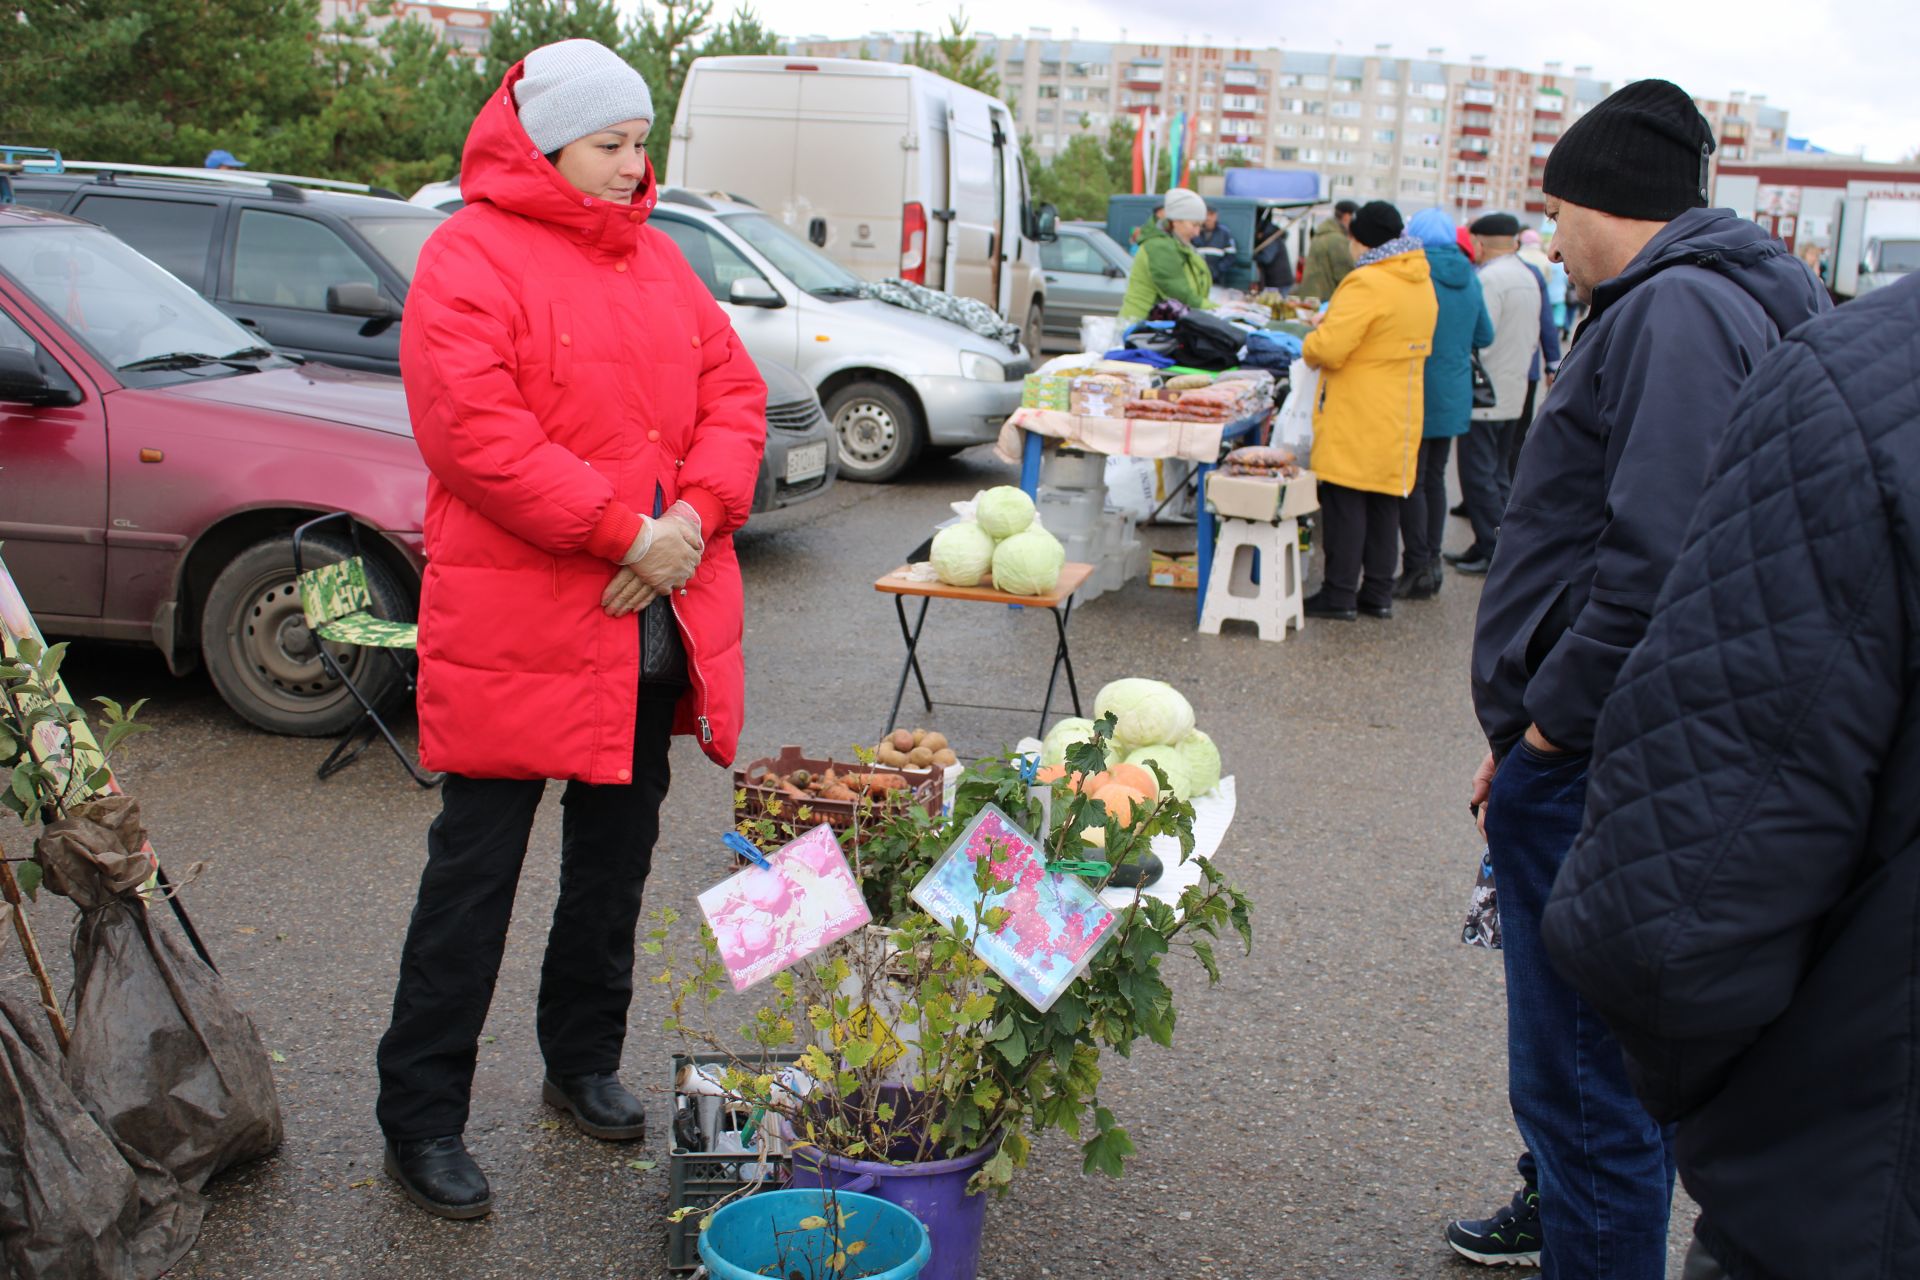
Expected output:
(653, 435)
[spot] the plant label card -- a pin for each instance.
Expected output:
(768, 920)
(1054, 927)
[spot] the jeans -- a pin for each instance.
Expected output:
(1359, 531)
(458, 933)
(1423, 513)
(1485, 484)
(1605, 1168)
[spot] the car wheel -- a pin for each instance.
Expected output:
(263, 659)
(878, 432)
(1036, 329)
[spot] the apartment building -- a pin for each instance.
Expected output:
(1468, 137)
(464, 27)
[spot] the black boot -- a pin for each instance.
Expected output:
(1316, 606)
(438, 1175)
(1436, 577)
(1418, 583)
(601, 1106)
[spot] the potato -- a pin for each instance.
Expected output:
(920, 758)
(944, 757)
(935, 742)
(903, 740)
(888, 756)
(919, 736)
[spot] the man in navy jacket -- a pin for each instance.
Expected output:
(1685, 301)
(1744, 903)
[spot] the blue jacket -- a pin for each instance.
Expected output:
(1463, 325)
(1549, 331)
(1741, 904)
(1613, 465)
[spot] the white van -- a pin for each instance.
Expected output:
(891, 170)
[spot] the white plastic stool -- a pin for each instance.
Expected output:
(1269, 604)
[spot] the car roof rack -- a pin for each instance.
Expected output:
(285, 185)
(25, 160)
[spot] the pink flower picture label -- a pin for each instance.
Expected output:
(768, 919)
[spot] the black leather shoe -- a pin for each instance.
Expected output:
(1474, 552)
(1377, 610)
(601, 1106)
(1418, 584)
(438, 1175)
(1475, 567)
(1316, 606)
(1458, 509)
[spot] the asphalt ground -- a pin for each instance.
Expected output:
(1325, 1109)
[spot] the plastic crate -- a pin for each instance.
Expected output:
(701, 1179)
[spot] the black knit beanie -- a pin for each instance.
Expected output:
(1642, 153)
(1375, 224)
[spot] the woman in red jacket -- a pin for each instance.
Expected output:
(593, 428)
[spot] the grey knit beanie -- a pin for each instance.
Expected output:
(573, 88)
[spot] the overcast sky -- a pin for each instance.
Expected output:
(1846, 72)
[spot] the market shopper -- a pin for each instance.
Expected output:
(1272, 264)
(1533, 252)
(1740, 904)
(1686, 300)
(1541, 371)
(1215, 245)
(1329, 254)
(593, 430)
(1166, 268)
(1371, 350)
(1463, 325)
(1514, 301)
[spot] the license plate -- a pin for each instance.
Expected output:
(806, 462)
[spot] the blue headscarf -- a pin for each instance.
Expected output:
(1432, 228)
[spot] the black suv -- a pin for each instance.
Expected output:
(317, 269)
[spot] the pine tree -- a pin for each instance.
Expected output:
(957, 56)
(525, 25)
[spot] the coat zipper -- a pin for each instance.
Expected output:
(693, 664)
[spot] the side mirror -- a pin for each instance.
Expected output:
(23, 381)
(1046, 223)
(360, 299)
(817, 233)
(752, 291)
(1115, 273)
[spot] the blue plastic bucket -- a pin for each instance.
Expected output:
(743, 1241)
(934, 1191)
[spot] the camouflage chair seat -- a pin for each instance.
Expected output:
(340, 608)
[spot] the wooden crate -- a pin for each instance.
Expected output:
(925, 786)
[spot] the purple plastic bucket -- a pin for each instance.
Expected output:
(934, 1191)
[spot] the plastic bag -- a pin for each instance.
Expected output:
(73, 1202)
(1293, 426)
(1130, 485)
(1099, 333)
(1482, 928)
(168, 1063)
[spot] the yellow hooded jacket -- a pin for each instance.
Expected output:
(1371, 350)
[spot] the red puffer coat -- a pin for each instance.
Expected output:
(565, 371)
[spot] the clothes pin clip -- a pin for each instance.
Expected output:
(1029, 769)
(744, 847)
(1082, 867)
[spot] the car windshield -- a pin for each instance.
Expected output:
(124, 307)
(1899, 255)
(793, 257)
(398, 240)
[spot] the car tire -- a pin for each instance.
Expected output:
(264, 662)
(877, 431)
(1036, 330)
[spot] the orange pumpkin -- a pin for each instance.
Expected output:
(1051, 774)
(1139, 777)
(1121, 801)
(1093, 784)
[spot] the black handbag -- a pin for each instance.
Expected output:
(1483, 396)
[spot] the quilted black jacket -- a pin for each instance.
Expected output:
(1743, 905)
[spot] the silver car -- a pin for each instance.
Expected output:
(799, 462)
(1086, 274)
(895, 383)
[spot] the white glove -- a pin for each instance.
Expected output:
(642, 541)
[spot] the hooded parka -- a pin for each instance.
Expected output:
(1371, 351)
(566, 372)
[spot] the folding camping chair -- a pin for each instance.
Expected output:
(340, 608)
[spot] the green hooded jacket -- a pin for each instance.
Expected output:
(1328, 260)
(1165, 267)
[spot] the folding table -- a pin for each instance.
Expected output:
(1059, 602)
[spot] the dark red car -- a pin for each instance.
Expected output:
(154, 459)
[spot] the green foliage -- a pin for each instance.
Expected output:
(957, 55)
(917, 1049)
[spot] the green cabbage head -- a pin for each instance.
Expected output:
(1179, 781)
(1202, 760)
(1004, 511)
(1147, 712)
(1064, 734)
(1028, 563)
(962, 554)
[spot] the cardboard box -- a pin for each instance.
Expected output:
(1175, 569)
(1046, 392)
(1265, 498)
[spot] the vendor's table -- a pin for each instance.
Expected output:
(1239, 430)
(1059, 602)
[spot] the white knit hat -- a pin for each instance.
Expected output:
(1184, 205)
(573, 88)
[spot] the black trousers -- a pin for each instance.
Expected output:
(1359, 533)
(1423, 513)
(459, 929)
(1519, 439)
(1485, 484)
